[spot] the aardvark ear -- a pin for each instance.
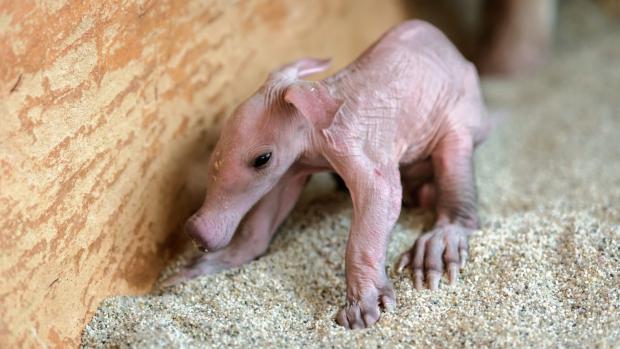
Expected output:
(313, 101)
(301, 68)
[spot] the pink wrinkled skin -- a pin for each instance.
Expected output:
(398, 124)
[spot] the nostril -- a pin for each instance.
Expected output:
(199, 247)
(192, 228)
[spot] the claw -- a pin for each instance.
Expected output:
(418, 276)
(173, 280)
(356, 318)
(199, 247)
(464, 256)
(342, 320)
(453, 273)
(405, 259)
(433, 279)
(388, 304)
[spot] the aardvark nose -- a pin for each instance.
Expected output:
(194, 228)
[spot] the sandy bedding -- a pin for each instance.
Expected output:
(543, 271)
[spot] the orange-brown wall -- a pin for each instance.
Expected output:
(102, 105)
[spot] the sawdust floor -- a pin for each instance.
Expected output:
(543, 271)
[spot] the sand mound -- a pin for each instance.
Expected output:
(543, 271)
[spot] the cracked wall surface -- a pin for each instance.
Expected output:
(102, 105)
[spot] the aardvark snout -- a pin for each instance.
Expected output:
(211, 230)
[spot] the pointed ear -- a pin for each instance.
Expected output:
(314, 102)
(302, 68)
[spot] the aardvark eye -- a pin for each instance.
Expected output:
(262, 160)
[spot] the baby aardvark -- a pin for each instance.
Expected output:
(400, 122)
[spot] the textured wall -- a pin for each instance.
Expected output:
(102, 105)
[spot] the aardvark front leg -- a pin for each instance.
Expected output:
(253, 236)
(376, 193)
(444, 248)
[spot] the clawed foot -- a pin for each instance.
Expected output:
(444, 249)
(363, 310)
(210, 263)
